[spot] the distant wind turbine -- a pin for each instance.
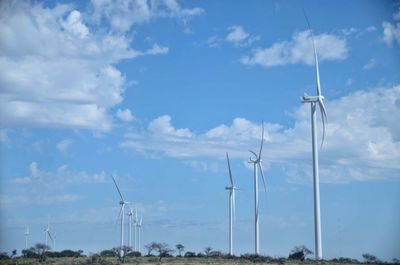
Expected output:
(130, 214)
(139, 226)
(47, 233)
(26, 237)
(121, 214)
(232, 205)
(314, 101)
(256, 161)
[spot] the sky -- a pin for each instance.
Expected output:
(155, 92)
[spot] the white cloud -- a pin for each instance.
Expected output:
(58, 69)
(391, 33)
(299, 50)
(362, 141)
(396, 16)
(371, 64)
(124, 115)
(236, 34)
(123, 14)
(63, 145)
(161, 126)
(239, 37)
(47, 187)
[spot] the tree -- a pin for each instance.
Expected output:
(370, 258)
(180, 249)
(109, 253)
(13, 253)
(299, 253)
(3, 256)
(150, 247)
(207, 251)
(163, 250)
(41, 249)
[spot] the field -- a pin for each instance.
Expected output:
(156, 261)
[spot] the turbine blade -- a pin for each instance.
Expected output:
(262, 175)
(262, 140)
(120, 194)
(119, 215)
(315, 56)
(254, 153)
(230, 171)
(324, 117)
(50, 236)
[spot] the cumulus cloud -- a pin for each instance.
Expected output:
(236, 36)
(239, 37)
(299, 50)
(391, 32)
(58, 65)
(124, 115)
(121, 15)
(362, 142)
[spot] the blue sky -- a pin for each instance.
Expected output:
(156, 92)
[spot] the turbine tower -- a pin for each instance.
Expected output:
(121, 213)
(255, 159)
(232, 206)
(26, 237)
(314, 101)
(139, 226)
(135, 223)
(130, 214)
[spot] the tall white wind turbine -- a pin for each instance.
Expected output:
(47, 233)
(232, 205)
(26, 237)
(121, 214)
(314, 102)
(255, 159)
(139, 226)
(130, 215)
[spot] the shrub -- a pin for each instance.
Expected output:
(190, 254)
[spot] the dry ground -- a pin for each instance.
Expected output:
(155, 261)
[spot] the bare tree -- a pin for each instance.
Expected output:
(150, 247)
(299, 252)
(180, 249)
(369, 258)
(207, 251)
(41, 249)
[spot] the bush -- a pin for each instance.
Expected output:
(134, 254)
(190, 254)
(108, 253)
(4, 256)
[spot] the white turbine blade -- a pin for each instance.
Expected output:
(230, 171)
(324, 119)
(119, 215)
(262, 175)
(50, 236)
(262, 141)
(315, 56)
(120, 194)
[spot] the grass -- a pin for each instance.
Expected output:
(155, 261)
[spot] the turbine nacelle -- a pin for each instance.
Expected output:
(308, 99)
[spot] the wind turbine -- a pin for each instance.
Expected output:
(47, 233)
(232, 206)
(256, 160)
(121, 213)
(314, 101)
(130, 214)
(26, 237)
(135, 223)
(139, 226)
